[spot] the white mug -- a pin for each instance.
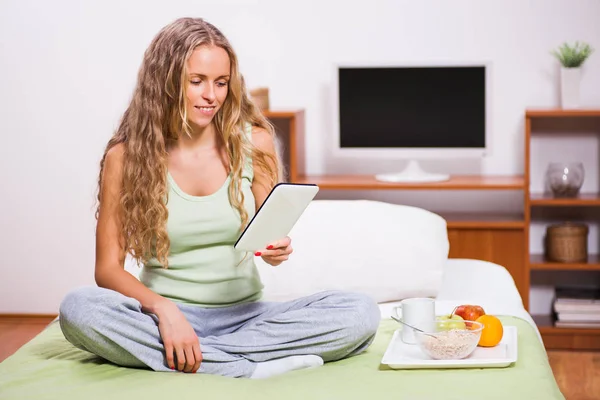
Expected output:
(418, 312)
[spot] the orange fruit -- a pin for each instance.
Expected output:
(492, 331)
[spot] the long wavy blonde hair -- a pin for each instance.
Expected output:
(157, 115)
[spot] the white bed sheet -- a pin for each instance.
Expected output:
(468, 281)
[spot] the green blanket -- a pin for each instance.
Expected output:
(49, 367)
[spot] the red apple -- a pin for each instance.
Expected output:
(469, 312)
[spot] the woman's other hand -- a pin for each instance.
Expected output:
(182, 346)
(277, 252)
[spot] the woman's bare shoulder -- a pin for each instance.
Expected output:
(116, 153)
(113, 163)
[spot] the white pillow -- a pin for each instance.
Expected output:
(387, 251)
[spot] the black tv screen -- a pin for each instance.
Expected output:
(421, 107)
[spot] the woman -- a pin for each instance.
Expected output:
(191, 162)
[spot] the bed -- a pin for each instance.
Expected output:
(49, 367)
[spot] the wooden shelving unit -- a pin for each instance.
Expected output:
(497, 238)
(557, 337)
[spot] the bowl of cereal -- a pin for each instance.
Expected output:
(448, 341)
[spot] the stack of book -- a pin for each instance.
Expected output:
(577, 308)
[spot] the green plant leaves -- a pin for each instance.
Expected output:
(573, 56)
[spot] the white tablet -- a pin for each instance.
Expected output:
(277, 215)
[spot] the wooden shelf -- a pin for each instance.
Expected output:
(558, 112)
(281, 113)
(459, 182)
(547, 199)
(545, 324)
(539, 262)
(539, 206)
(483, 221)
(556, 338)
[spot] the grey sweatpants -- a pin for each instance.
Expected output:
(332, 325)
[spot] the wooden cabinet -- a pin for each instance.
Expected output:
(541, 206)
(501, 245)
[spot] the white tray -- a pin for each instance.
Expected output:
(400, 355)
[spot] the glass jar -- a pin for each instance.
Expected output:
(565, 179)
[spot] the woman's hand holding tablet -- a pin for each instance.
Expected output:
(274, 220)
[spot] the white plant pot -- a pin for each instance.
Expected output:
(570, 79)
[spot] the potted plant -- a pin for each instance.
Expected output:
(571, 59)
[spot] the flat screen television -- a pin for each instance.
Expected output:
(412, 112)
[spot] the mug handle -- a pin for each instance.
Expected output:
(395, 311)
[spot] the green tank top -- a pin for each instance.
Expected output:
(204, 269)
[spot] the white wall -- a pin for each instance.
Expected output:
(67, 69)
